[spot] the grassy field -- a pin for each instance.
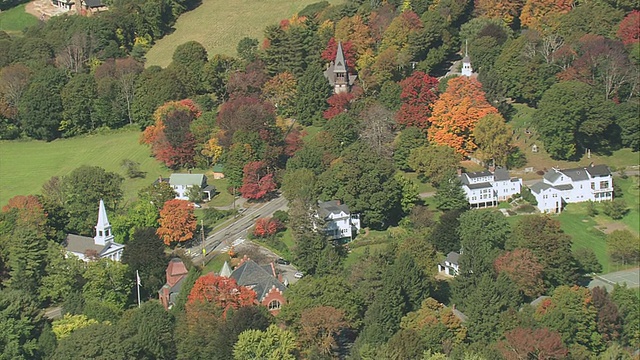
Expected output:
(14, 20)
(219, 25)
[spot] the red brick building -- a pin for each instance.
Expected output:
(176, 273)
(263, 280)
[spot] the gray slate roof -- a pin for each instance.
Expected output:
(331, 207)
(93, 3)
(576, 174)
(539, 187)
(564, 187)
(484, 185)
(453, 258)
(501, 174)
(599, 170)
(340, 63)
(477, 174)
(552, 175)
(80, 244)
(252, 275)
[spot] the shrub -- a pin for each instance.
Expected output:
(526, 208)
(591, 209)
(616, 209)
(132, 168)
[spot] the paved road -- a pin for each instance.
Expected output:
(231, 233)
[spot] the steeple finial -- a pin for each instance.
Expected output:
(466, 47)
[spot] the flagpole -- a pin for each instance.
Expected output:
(138, 286)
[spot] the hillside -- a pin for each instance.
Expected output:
(26, 165)
(218, 25)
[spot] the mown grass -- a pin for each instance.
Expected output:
(16, 19)
(219, 25)
(26, 165)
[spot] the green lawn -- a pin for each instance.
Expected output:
(14, 20)
(26, 165)
(215, 264)
(223, 198)
(219, 25)
(422, 186)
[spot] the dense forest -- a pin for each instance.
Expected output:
(521, 293)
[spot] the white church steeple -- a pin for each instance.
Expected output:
(466, 61)
(103, 228)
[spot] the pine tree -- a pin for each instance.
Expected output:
(313, 92)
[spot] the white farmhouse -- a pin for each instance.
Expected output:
(181, 183)
(558, 187)
(100, 246)
(486, 188)
(451, 265)
(339, 223)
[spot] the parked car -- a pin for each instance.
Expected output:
(298, 275)
(282, 261)
(197, 206)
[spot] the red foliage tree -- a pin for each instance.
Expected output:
(256, 183)
(522, 267)
(219, 292)
(329, 53)
(338, 103)
(456, 113)
(29, 210)
(248, 82)
(609, 321)
(266, 227)
(243, 113)
(629, 28)
(526, 343)
(293, 141)
(419, 92)
(177, 221)
(170, 137)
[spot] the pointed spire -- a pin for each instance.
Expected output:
(340, 64)
(103, 228)
(102, 216)
(226, 270)
(467, 70)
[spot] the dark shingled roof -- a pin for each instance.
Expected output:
(599, 170)
(501, 174)
(80, 244)
(540, 186)
(479, 186)
(576, 174)
(479, 174)
(254, 276)
(552, 175)
(93, 3)
(331, 207)
(564, 187)
(453, 257)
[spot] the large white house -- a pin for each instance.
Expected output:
(98, 247)
(339, 222)
(181, 183)
(485, 188)
(558, 187)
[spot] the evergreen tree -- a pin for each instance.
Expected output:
(313, 92)
(450, 196)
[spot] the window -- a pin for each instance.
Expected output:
(274, 305)
(100, 233)
(593, 186)
(545, 196)
(604, 184)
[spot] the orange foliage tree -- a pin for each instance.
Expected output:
(177, 221)
(220, 292)
(523, 268)
(170, 138)
(543, 15)
(498, 9)
(28, 209)
(456, 113)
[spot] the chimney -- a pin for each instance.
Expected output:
(159, 178)
(459, 171)
(338, 202)
(273, 270)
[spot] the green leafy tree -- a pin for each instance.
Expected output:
(571, 313)
(157, 194)
(626, 299)
(78, 96)
(155, 86)
(434, 163)
(188, 64)
(19, 319)
(40, 108)
(493, 137)
(450, 196)
(445, 236)
(141, 214)
(61, 275)
(96, 341)
(484, 305)
(313, 92)
(623, 247)
(542, 235)
(409, 139)
(247, 49)
(107, 281)
(271, 344)
(616, 209)
(149, 331)
(145, 253)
